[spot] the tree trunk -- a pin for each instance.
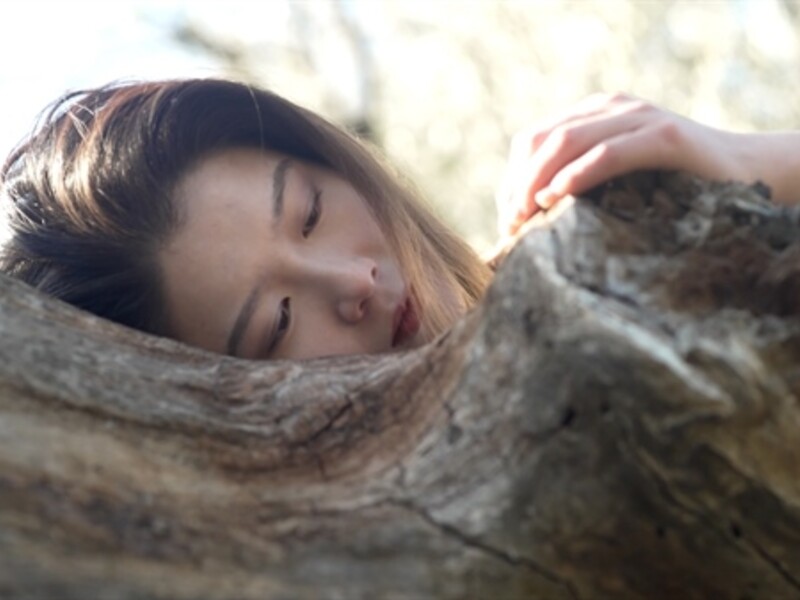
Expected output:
(618, 419)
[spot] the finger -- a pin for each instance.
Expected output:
(655, 146)
(528, 140)
(514, 207)
(564, 146)
(510, 218)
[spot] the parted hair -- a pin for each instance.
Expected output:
(89, 195)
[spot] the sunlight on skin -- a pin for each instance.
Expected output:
(57, 46)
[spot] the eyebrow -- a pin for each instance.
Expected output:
(249, 306)
(278, 186)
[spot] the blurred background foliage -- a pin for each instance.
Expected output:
(442, 85)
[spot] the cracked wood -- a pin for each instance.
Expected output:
(618, 419)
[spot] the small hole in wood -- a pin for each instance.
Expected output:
(454, 433)
(735, 530)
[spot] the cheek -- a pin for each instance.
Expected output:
(318, 336)
(352, 225)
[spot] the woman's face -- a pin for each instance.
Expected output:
(276, 258)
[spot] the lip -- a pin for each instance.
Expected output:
(405, 324)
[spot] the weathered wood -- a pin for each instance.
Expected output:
(619, 419)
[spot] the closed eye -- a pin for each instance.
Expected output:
(282, 324)
(314, 214)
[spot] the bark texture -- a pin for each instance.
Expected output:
(619, 419)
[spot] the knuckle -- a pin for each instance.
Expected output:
(640, 106)
(669, 132)
(612, 98)
(620, 97)
(609, 99)
(563, 137)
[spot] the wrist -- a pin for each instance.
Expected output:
(773, 159)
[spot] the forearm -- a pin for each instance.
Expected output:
(774, 159)
(606, 136)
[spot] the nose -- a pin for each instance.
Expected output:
(352, 286)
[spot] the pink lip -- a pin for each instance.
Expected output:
(406, 323)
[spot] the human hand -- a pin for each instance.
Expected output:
(602, 137)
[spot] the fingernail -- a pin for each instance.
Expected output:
(521, 217)
(545, 198)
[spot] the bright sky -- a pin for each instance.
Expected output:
(51, 46)
(48, 47)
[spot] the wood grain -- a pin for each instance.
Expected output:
(618, 419)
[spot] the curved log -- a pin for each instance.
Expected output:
(618, 419)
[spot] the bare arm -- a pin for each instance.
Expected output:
(774, 158)
(604, 136)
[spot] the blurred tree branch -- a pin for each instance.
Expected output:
(442, 86)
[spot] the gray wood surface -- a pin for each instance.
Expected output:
(619, 419)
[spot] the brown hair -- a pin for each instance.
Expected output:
(90, 194)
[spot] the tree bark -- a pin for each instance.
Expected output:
(618, 419)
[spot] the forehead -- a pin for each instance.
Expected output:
(224, 176)
(209, 261)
